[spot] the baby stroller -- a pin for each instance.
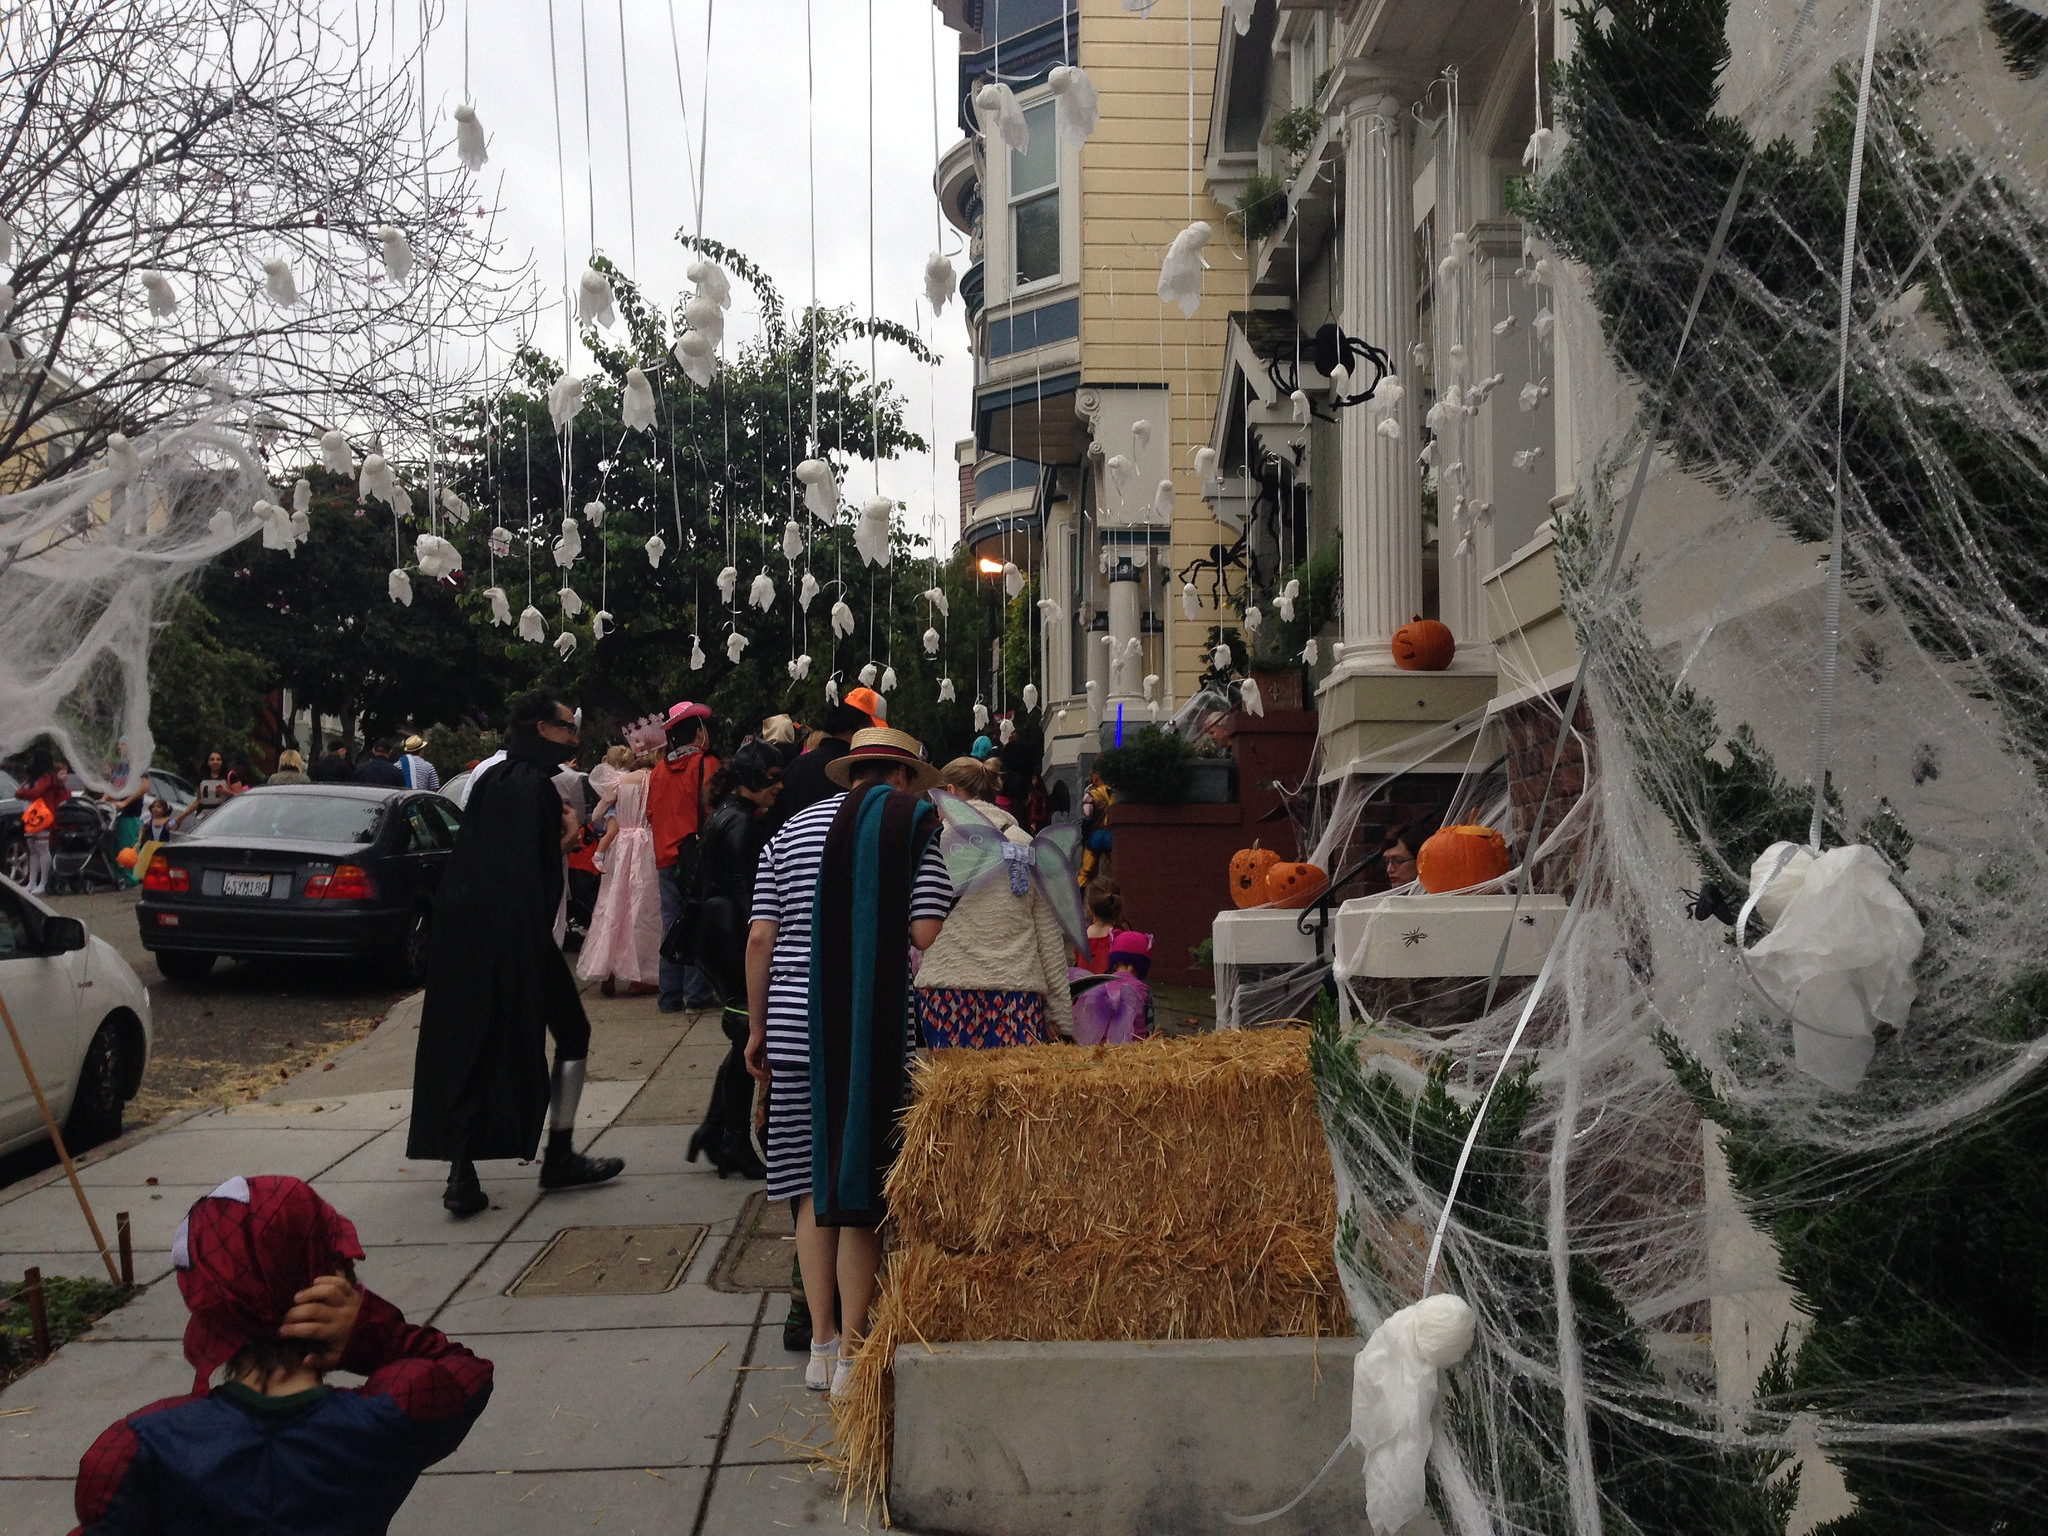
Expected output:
(81, 846)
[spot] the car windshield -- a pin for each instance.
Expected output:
(294, 817)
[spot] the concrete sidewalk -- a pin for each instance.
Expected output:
(678, 1412)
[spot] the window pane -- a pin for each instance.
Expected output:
(291, 814)
(1039, 166)
(1037, 238)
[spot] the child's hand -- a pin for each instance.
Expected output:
(324, 1315)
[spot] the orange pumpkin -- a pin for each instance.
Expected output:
(1424, 645)
(1456, 858)
(1248, 867)
(125, 858)
(1295, 885)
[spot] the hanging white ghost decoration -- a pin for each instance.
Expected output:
(1190, 600)
(276, 525)
(1141, 436)
(397, 254)
(1289, 596)
(936, 596)
(378, 480)
(593, 513)
(123, 460)
(762, 593)
(697, 357)
(1543, 323)
(734, 644)
(1079, 106)
(1253, 618)
(565, 399)
(980, 715)
(1525, 459)
(1048, 611)
(532, 626)
(1094, 690)
(832, 689)
(600, 624)
(1059, 719)
(1205, 463)
(940, 280)
(469, 139)
(636, 405)
(842, 619)
(456, 509)
(656, 546)
(946, 694)
(399, 585)
(1013, 579)
(1388, 394)
(1119, 468)
(500, 541)
(1531, 396)
(931, 642)
(1241, 14)
(1340, 382)
(435, 556)
(1336, 650)
(569, 545)
(1395, 1380)
(711, 282)
(594, 299)
(1180, 274)
(868, 675)
(871, 533)
(501, 605)
(565, 643)
(1248, 693)
(799, 668)
(821, 489)
(1031, 695)
(1162, 500)
(805, 591)
(792, 540)
(1006, 730)
(572, 600)
(279, 283)
(222, 524)
(1001, 117)
(706, 316)
(1221, 659)
(1537, 147)
(1302, 409)
(335, 457)
(1389, 428)
(888, 682)
(696, 654)
(728, 583)
(163, 301)
(1311, 653)
(1151, 686)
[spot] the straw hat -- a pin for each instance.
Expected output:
(884, 745)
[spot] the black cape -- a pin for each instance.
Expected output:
(495, 978)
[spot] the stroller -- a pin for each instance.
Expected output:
(82, 849)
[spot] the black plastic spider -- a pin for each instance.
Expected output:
(1709, 901)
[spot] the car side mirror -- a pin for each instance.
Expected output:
(61, 935)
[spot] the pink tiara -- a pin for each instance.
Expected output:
(645, 734)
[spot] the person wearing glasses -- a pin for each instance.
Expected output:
(1401, 850)
(497, 982)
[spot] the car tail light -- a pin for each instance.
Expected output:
(163, 875)
(349, 882)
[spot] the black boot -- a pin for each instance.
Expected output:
(735, 1152)
(563, 1167)
(464, 1196)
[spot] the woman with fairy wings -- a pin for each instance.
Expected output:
(998, 973)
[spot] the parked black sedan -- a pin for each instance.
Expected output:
(301, 870)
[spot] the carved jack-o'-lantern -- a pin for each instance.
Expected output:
(1424, 645)
(1295, 885)
(1455, 858)
(1248, 867)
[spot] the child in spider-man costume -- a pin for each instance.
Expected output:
(268, 1270)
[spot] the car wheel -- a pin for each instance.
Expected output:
(413, 949)
(14, 859)
(96, 1107)
(183, 965)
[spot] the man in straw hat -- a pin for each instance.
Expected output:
(844, 890)
(419, 773)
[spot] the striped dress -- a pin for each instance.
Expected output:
(785, 888)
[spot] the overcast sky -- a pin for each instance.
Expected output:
(757, 169)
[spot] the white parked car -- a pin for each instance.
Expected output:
(83, 1017)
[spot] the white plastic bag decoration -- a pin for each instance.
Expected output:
(706, 316)
(696, 654)
(931, 642)
(946, 694)
(569, 545)
(728, 583)
(1190, 600)
(1059, 719)
(1253, 619)
(501, 605)
(1031, 695)
(1241, 14)
(842, 619)
(531, 625)
(1311, 653)
(1254, 702)
(1289, 595)
(936, 596)
(1141, 435)
(762, 593)
(656, 546)
(279, 283)
(832, 689)
(1220, 659)
(436, 557)
(335, 457)
(805, 591)
(1336, 650)
(1389, 429)
(500, 542)
(572, 600)
(888, 682)
(792, 540)
(1180, 274)
(1151, 686)
(469, 139)
(593, 513)
(980, 715)
(940, 280)
(600, 623)
(1006, 730)
(697, 357)
(1839, 957)
(565, 399)
(454, 506)
(1001, 117)
(636, 406)
(397, 254)
(711, 282)
(1119, 467)
(1302, 409)
(565, 643)
(734, 644)
(1013, 579)
(821, 489)
(276, 524)
(1205, 463)
(1162, 500)
(1387, 396)
(799, 668)
(1778, 875)
(868, 675)
(163, 300)
(1340, 382)
(1395, 1381)
(594, 300)
(222, 524)
(1079, 106)
(1537, 147)
(1048, 610)
(871, 533)
(399, 586)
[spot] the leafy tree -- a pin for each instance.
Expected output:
(205, 691)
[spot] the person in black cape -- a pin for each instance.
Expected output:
(497, 984)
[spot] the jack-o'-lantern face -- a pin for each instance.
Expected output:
(1423, 645)
(1295, 885)
(1248, 868)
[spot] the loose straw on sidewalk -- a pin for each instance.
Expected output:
(57, 1139)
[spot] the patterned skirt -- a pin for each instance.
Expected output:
(980, 1018)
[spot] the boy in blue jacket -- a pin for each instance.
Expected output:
(267, 1269)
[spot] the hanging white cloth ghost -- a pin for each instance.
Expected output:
(1543, 323)
(1151, 686)
(500, 541)
(1119, 468)
(1141, 437)
(1048, 611)
(805, 591)
(697, 357)
(565, 643)
(222, 524)
(1162, 500)
(656, 547)
(501, 605)
(569, 545)
(279, 283)
(946, 694)
(821, 489)
(871, 533)
(163, 300)
(799, 668)
(593, 513)
(594, 299)
(1531, 396)
(399, 585)
(734, 644)
(888, 680)
(936, 596)
(1537, 147)
(636, 406)
(1079, 106)
(378, 480)
(706, 316)
(868, 674)
(1302, 409)
(1094, 691)
(728, 583)
(1031, 695)
(1253, 618)
(1254, 702)
(941, 282)
(1336, 650)
(1013, 579)
(1205, 463)
(1001, 117)
(565, 399)
(397, 253)
(832, 689)
(762, 593)
(532, 626)
(792, 540)
(1387, 395)
(1180, 274)
(1241, 14)
(1190, 600)
(600, 624)
(711, 281)
(335, 457)
(931, 642)
(469, 139)
(1340, 382)
(456, 509)
(1310, 651)
(842, 619)
(572, 600)
(1389, 428)
(1059, 719)
(696, 654)
(1395, 1381)
(1289, 595)
(436, 557)
(1006, 730)
(980, 715)
(276, 524)
(1221, 658)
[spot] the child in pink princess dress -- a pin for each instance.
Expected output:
(624, 941)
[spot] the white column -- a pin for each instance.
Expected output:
(1380, 499)
(1124, 680)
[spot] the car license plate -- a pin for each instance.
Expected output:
(245, 885)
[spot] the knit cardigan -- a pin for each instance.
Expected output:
(984, 947)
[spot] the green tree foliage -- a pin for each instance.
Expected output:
(205, 691)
